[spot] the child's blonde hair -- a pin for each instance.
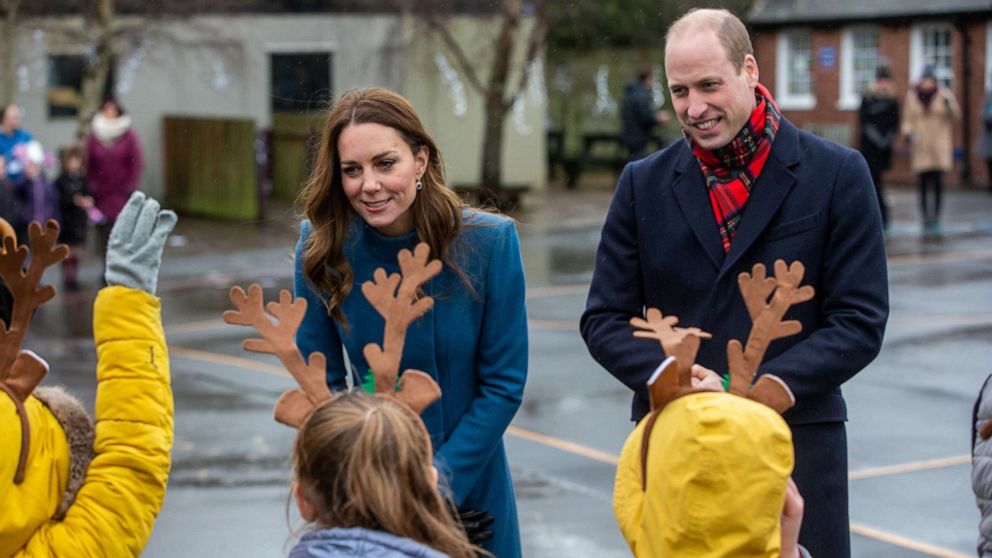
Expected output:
(365, 461)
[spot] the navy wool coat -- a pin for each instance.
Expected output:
(660, 247)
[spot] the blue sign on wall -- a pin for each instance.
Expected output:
(827, 56)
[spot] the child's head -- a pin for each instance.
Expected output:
(366, 461)
(72, 159)
(713, 477)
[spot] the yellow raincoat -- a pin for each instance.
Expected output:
(124, 487)
(717, 467)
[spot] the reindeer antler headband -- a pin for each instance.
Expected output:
(20, 371)
(767, 300)
(394, 296)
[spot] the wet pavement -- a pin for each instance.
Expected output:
(909, 410)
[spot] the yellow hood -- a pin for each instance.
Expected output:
(717, 469)
(32, 503)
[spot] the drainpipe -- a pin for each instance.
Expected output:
(966, 115)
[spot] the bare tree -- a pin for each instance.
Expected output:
(502, 84)
(8, 78)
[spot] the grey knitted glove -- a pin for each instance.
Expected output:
(136, 241)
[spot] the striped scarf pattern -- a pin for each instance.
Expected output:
(730, 171)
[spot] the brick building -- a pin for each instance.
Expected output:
(816, 57)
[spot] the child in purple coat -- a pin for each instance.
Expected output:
(35, 194)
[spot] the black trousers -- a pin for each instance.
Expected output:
(821, 475)
(931, 183)
(876, 179)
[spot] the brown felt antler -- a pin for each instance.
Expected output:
(395, 297)
(767, 316)
(279, 339)
(22, 371)
(679, 342)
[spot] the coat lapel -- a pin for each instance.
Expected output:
(770, 190)
(690, 191)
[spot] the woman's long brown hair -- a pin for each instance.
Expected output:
(436, 210)
(364, 461)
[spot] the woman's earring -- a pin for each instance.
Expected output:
(420, 185)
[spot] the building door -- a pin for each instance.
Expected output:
(300, 88)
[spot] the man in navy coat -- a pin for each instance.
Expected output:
(746, 187)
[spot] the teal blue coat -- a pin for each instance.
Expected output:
(473, 344)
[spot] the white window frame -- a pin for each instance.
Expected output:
(916, 61)
(850, 97)
(988, 56)
(785, 100)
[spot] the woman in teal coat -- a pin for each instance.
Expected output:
(378, 187)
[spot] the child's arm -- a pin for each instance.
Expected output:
(125, 484)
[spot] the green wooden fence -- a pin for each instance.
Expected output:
(290, 152)
(210, 167)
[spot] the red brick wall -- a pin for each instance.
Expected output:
(894, 41)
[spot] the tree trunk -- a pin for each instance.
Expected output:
(97, 69)
(496, 105)
(8, 73)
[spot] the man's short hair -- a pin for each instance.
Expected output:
(728, 28)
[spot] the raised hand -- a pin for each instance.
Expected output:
(134, 252)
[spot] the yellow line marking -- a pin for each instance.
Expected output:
(910, 467)
(905, 542)
(194, 327)
(564, 445)
(228, 360)
(559, 325)
(557, 290)
(969, 255)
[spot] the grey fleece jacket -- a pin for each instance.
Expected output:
(981, 467)
(356, 541)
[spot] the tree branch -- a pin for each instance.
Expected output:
(534, 44)
(438, 27)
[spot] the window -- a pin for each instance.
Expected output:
(301, 81)
(794, 69)
(859, 60)
(930, 44)
(65, 84)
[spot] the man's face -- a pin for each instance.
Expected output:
(11, 119)
(711, 98)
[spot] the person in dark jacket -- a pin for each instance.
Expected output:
(74, 204)
(746, 187)
(638, 116)
(878, 117)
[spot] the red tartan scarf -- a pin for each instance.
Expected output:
(731, 170)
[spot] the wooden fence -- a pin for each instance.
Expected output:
(294, 139)
(210, 167)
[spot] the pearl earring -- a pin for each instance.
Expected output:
(420, 185)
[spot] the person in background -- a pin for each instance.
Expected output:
(985, 133)
(35, 193)
(878, 117)
(8, 205)
(113, 163)
(638, 116)
(12, 135)
(930, 110)
(75, 204)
